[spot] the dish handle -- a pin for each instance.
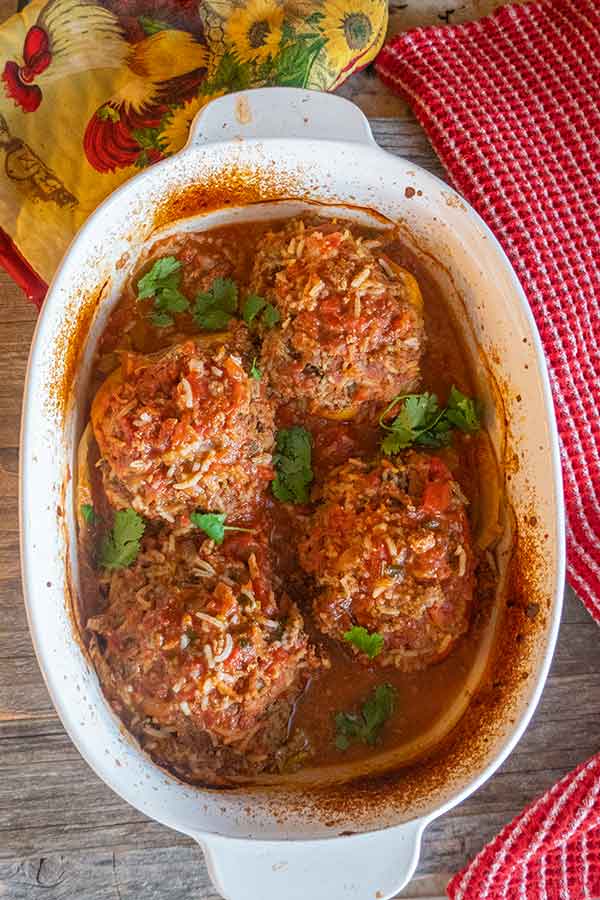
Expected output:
(357, 867)
(279, 113)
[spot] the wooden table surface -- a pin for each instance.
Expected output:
(65, 835)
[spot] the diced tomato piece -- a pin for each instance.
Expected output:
(198, 385)
(436, 496)
(361, 394)
(232, 368)
(438, 470)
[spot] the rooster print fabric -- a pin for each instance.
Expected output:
(95, 90)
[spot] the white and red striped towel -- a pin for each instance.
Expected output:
(550, 852)
(511, 105)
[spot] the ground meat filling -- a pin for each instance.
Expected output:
(186, 429)
(351, 324)
(390, 550)
(197, 651)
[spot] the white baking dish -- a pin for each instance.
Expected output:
(246, 154)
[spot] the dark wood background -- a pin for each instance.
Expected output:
(65, 835)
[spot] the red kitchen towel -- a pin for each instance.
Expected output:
(550, 852)
(511, 105)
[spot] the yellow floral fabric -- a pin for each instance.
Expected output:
(94, 90)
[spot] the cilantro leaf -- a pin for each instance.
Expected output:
(421, 421)
(417, 412)
(162, 283)
(214, 308)
(213, 525)
(121, 545)
(255, 371)
(88, 512)
(253, 305)
(225, 294)
(173, 300)
(256, 307)
(270, 316)
(369, 643)
(214, 319)
(463, 412)
(161, 320)
(366, 726)
(292, 461)
(377, 710)
(155, 278)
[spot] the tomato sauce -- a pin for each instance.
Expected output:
(423, 696)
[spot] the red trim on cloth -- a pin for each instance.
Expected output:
(20, 271)
(550, 852)
(511, 106)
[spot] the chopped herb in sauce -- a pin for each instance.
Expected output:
(162, 282)
(255, 371)
(213, 525)
(259, 309)
(214, 308)
(369, 643)
(88, 512)
(365, 727)
(421, 421)
(270, 316)
(121, 545)
(463, 412)
(292, 461)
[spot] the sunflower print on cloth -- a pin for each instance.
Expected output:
(94, 90)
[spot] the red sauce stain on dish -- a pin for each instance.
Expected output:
(262, 588)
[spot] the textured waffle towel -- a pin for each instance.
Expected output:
(512, 106)
(550, 852)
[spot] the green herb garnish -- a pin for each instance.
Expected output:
(258, 308)
(121, 545)
(255, 371)
(369, 643)
(463, 412)
(421, 421)
(292, 461)
(213, 524)
(253, 305)
(365, 726)
(270, 316)
(88, 512)
(162, 282)
(214, 308)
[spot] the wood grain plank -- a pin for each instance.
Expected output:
(14, 353)
(169, 873)
(15, 305)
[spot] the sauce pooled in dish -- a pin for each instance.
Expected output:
(278, 490)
